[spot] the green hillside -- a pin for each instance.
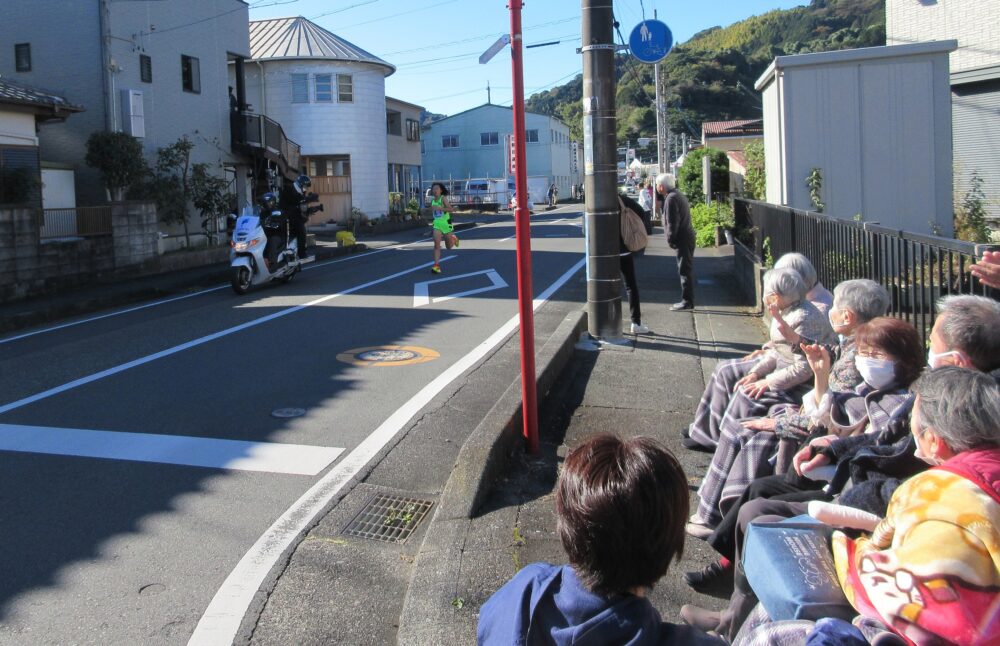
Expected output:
(711, 76)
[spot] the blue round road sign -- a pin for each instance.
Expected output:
(650, 41)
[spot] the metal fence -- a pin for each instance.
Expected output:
(916, 269)
(80, 222)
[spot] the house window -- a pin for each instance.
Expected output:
(324, 88)
(345, 88)
(449, 141)
(531, 136)
(300, 88)
(394, 123)
(330, 166)
(191, 74)
(489, 139)
(412, 130)
(145, 68)
(22, 57)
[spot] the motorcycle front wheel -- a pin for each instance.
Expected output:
(240, 279)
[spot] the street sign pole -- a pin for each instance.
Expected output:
(522, 229)
(604, 300)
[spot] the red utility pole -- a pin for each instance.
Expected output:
(522, 229)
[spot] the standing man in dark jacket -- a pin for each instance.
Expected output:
(680, 234)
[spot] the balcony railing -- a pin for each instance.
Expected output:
(81, 222)
(256, 133)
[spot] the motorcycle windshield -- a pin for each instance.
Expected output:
(246, 224)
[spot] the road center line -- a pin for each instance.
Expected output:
(225, 613)
(202, 340)
(268, 457)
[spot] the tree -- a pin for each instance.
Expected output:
(209, 193)
(118, 157)
(172, 185)
(755, 181)
(17, 185)
(689, 179)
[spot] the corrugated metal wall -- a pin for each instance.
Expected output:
(976, 129)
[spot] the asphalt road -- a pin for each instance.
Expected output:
(144, 472)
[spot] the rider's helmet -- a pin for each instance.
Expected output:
(269, 201)
(302, 182)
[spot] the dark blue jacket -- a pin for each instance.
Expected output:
(547, 604)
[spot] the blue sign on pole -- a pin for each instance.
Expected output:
(650, 41)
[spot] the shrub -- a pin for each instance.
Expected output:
(970, 216)
(704, 219)
(689, 179)
(755, 181)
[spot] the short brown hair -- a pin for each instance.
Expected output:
(898, 338)
(621, 506)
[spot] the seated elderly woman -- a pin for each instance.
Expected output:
(930, 570)
(773, 375)
(816, 294)
(889, 358)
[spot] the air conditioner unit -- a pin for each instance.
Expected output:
(133, 119)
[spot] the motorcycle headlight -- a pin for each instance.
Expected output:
(243, 246)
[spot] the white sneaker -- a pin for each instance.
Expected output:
(639, 328)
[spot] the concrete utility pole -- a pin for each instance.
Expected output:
(604, 300)
(661, 131)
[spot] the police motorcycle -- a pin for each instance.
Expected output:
(262, 249)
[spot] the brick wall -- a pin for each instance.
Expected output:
(972, 22)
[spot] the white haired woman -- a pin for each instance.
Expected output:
(777, 370)
(817, 294)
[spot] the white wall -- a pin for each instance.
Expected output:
(356, 129)
(974, 23)
(878, 128)
(17, 128)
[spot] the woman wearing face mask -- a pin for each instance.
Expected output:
(929, 571)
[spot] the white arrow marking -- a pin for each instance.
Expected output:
(421, 291)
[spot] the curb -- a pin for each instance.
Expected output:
(428, 616)
(212, 275)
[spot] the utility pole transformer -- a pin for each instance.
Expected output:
(602, 228)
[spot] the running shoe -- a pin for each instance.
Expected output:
(436, 269)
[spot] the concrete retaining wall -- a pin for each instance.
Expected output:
(30, 266)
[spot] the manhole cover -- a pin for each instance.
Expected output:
(287, 413)
(388, 355)
(391, 519)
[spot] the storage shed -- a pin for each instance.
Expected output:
(876, 125)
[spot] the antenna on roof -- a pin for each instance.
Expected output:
(489, 95)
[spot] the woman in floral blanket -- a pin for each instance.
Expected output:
(931, 569)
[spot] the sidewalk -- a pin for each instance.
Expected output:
(338, 588)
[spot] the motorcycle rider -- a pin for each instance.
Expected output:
(294, 204)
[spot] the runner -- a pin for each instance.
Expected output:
(441, 209)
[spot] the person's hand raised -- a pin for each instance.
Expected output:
(987, 270)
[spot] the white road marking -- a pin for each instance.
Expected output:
(202, 340)
(224, 614)
(267, 457)
(192, 295)
(421, 290)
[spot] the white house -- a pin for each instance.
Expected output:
(329, 95)
(875, 122)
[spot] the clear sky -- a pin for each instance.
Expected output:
(435, 44)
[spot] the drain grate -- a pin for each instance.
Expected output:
(391, 519)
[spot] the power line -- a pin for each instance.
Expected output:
(402, 13)
(353, 6)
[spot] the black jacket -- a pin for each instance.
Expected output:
(677, 221)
